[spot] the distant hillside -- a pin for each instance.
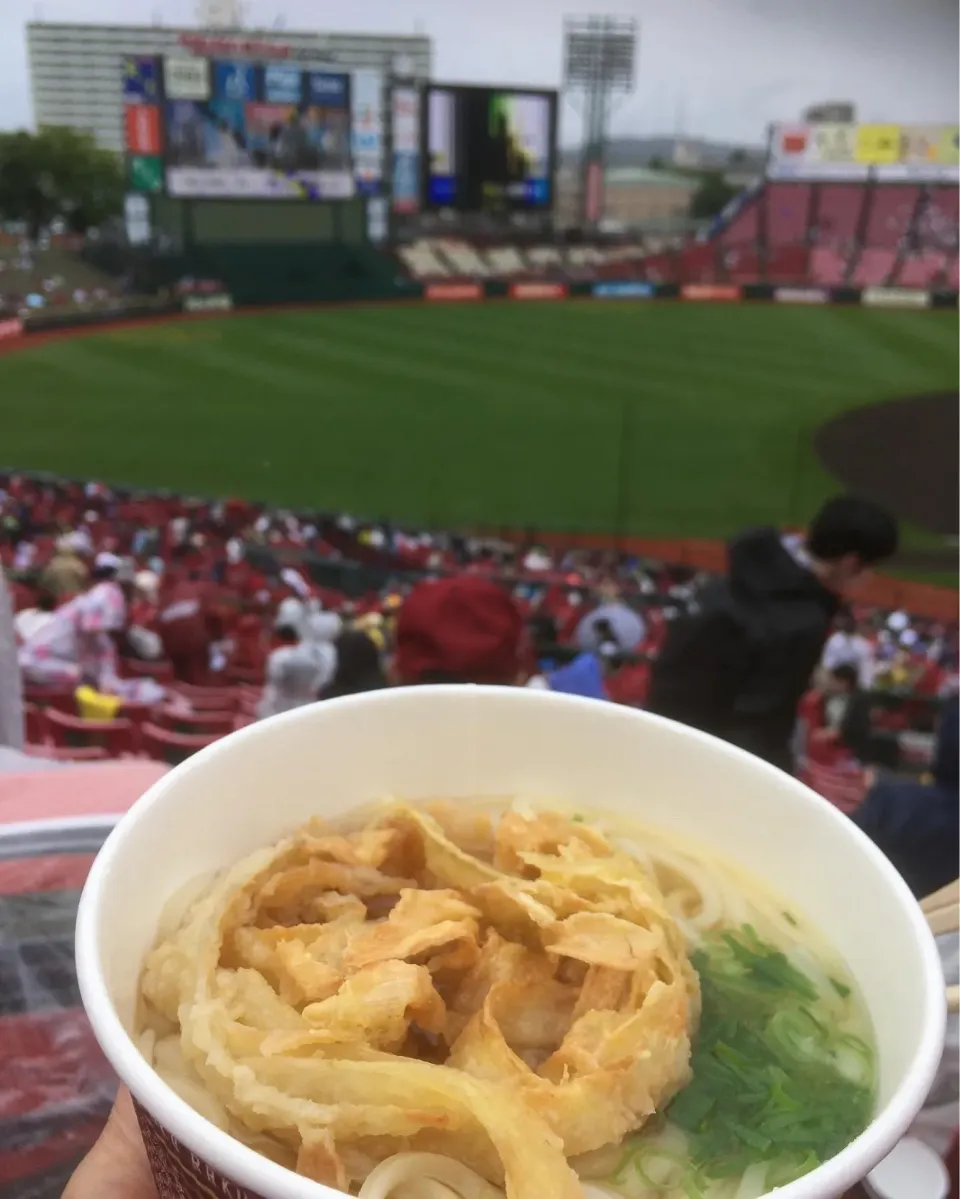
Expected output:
(688, 151)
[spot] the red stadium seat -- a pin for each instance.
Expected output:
(179, 721)
(787, 264)
(35, 724)
(874, 266)
(50, 697)
(243, 674)
(921, 270)
(135, 713)
(788, 213)
(162, 671)
(216, 699)
(744, 227)
(827, 266)
(165, 746)
(116, 737)
(838, 213)
(891, 211)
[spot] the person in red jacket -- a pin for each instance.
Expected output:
(464, 629)
(187, 623)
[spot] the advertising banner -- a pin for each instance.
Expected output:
(406, 149)
(186, 78)
(327, 88)
(142, 124)
(537, 291)
(895, 297)
(10, 328)
(246, 184)
(624, 291)
(832, 143)
(377, 227)
(853, 152)
(453, 291)
(710, 291)
(140, 81)
(234, 80)
(282, 84)
(366, 109)
(136, 218)
(877, 145)
(217, 303)
(406, 182)
(800, 295)
(145, 173)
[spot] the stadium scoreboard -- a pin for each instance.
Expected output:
(852, 152)
(487, 149)
(215, 128)
(219, 128)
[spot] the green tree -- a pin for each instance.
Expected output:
(712, 196)
(58, 172)
(657, 163)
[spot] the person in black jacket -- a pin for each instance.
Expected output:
(737, 664)
(917, 825)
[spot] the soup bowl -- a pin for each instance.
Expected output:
(257, 785)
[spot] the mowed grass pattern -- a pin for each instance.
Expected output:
(660, 419)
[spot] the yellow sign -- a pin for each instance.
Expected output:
(949, 150)
(878, 145)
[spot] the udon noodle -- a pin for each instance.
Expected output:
(475, 1001)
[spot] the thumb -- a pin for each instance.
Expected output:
(116, 1167)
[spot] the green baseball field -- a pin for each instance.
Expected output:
(658, 419)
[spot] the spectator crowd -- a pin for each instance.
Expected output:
(155, 623)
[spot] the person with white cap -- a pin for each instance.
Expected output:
(305, 660)
(291, 614)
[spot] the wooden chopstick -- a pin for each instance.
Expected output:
(950, 894)
(942, 909)
(944, 920)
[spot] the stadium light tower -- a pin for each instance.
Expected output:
(599, 57)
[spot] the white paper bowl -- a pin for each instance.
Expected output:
(256, 786)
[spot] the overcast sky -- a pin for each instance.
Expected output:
(714, 68)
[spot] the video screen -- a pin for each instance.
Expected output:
(306, 138)
(267, 131)
(488, 149)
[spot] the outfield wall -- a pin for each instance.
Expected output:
(466, 290)
(364, 287)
